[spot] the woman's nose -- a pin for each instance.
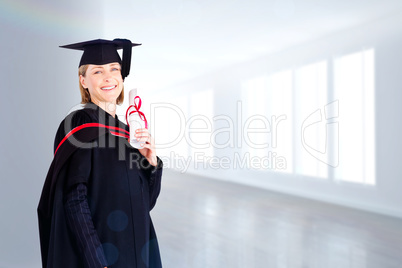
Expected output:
(108, 76)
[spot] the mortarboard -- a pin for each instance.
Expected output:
(102, 51)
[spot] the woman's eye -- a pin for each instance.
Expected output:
(115, 69)
(97, 72)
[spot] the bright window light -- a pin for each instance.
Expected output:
(268, 107)
(354, 88)
(170, 122)
(311, 150)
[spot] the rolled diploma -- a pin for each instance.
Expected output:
(135, 121)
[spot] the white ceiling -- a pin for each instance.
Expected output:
(184, 38)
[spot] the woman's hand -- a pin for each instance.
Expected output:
(148, 143)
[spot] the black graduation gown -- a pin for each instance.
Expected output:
(121, 182)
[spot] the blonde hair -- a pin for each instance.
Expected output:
(85, 96)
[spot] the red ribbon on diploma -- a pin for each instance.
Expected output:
(137, 110)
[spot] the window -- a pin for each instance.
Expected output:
(327, 130)
(311, 152)
(267, 109)
(170, 121)
(354, 88)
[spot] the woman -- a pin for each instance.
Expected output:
(94, 208)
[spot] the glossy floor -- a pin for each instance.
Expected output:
(204, 223)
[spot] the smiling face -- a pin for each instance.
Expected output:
(104, 83)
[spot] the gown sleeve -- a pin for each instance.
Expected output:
(77, 210)
(155, 177)
(80, 222)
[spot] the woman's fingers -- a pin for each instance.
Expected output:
(140, 130)
(146, 145)
(143, 138)
(146, 138)
(142, 134)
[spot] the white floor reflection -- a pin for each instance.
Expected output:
(207, 223)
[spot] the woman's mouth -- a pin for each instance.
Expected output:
(109, 88)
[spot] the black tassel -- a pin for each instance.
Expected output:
(126, 59)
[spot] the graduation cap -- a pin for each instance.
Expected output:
(102, 51)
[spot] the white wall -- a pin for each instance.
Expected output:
(38, 86)
(385, 36)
